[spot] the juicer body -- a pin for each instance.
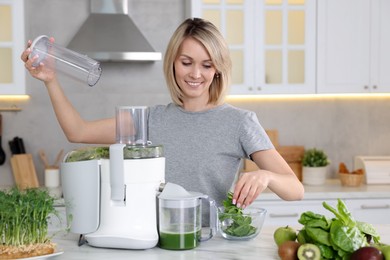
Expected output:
(130, 223)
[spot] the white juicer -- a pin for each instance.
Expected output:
(112, 202)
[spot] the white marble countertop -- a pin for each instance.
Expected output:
(333, 189)
(262, 247)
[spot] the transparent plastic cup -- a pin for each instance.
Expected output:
(64, 60)
(131, 125)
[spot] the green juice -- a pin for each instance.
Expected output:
(179, 241)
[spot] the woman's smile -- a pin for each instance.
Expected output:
(194, 84)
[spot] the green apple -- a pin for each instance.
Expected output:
(386, 251)
(283, 234)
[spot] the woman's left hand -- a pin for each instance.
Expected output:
(249, 186)
(274, 174)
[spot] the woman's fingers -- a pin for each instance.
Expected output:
(248, 188)
(29, 62)
(26, 52)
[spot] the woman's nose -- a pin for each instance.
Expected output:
(195, 73)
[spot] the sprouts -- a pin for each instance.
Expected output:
(24, 216)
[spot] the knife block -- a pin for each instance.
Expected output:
(23, 169)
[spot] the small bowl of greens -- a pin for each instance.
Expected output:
(239, 224)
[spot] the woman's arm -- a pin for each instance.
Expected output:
(76, 129)
(274, 173)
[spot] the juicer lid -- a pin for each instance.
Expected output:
(173, 191)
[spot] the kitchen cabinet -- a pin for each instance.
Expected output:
(12, 73)
(272, 43)
(370, 210)
(283, 213)
(353, 46)
(367, 203)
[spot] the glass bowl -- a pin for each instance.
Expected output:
(243, 225)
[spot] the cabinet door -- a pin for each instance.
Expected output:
(12, 73)
(272, 43)
(282, 213)
(374, 211)
(380, 42)
(343, 46)
(284, 47)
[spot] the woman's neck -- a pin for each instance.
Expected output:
(197, 106)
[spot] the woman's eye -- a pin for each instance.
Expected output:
(186, 63)
(207, 66)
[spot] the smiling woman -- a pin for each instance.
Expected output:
(204, 138)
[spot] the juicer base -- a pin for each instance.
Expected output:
(119, 242)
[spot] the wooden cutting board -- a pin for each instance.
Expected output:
(23, 169)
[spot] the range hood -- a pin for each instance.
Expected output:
(109, 34)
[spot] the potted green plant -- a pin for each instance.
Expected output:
(314, 170)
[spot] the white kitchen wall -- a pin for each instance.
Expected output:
(343, 128)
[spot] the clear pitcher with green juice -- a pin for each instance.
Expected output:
(180, 218)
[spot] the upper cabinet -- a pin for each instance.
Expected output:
(272, 43)
(12, 73)
(304, 46)
(353, 46)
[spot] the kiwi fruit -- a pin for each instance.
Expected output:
(309, 252)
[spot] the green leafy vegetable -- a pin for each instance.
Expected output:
(129, 152)
(90, 153)
(240, 224)
(338, 237)
(24, 216)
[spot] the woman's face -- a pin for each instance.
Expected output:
(194, 71)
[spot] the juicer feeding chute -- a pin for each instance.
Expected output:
(131, 125)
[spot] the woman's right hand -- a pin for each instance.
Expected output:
(42, 71)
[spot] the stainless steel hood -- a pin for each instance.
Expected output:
(109, 34)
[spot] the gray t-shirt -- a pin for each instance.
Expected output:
(203, 150)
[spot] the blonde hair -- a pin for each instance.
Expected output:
(209, 36)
